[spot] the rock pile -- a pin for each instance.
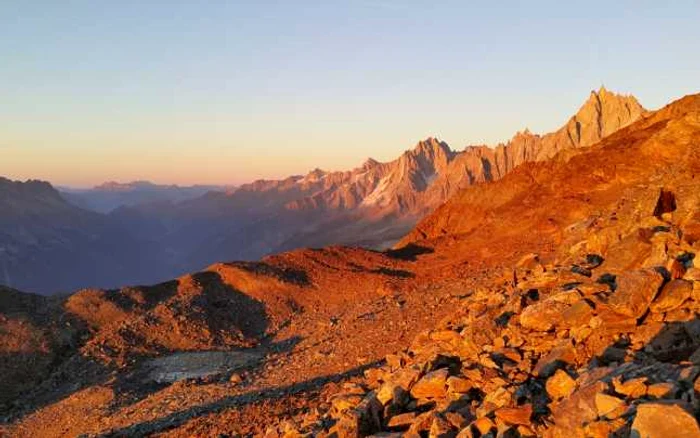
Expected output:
(553, 350)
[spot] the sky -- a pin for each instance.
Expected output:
(224, 92)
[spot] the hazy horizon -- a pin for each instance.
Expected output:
(227, 94)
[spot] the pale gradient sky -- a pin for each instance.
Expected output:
(226, 92)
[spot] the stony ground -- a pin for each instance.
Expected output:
(310, 352)
(554, 350)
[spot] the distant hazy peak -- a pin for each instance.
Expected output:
(114, 186)
(31, 187)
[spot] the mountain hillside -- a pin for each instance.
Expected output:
(48, 245)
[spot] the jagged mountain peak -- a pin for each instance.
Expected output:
(604, 112)
(369, 164)
(315, 174)
(525, 133)
(604, 100)
(432, 145)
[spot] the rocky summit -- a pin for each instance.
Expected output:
(560, 299)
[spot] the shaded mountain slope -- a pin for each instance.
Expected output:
(48, 245)
(32, 341)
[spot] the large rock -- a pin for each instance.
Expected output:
(635, 291)
(578, 315)
(672, 295)
(558, 357)
(432, 385)
(578, 409)
(363, 420)
(518, 416)
(398, 384)
(560, 385)
(542, 316)
(609, 406)
(656, 420)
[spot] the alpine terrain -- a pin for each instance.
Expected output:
(549, 286)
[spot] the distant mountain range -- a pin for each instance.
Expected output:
(184, 229)
(112, 195)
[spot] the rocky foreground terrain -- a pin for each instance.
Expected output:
(556, 350)
(560, 300)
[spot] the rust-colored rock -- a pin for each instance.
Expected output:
(483, 425)
(634, 388)
(672, 295)
(516, 416)
(431, 385)
(654, 420)
(560, 385)
(635, 292)
(609, 406)
(543, 316)
(401, 421)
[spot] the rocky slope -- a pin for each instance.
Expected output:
(554, 351)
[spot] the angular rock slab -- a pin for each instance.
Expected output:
(635, 292)
(656, 420)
